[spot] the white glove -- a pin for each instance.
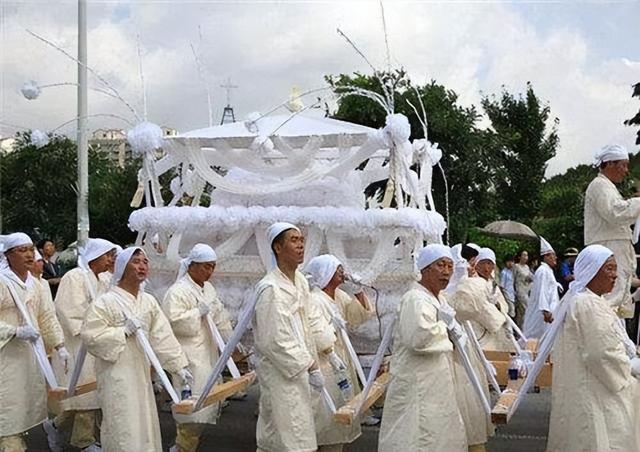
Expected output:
(458, 333)
(336, 363)
(64, 356)
(204, 309)
(316, 380)
(131, 326)
(185, 376)
(447, 315)
(27, 333)
(635, 367)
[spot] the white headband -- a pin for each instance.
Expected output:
(93, 249)
(545, 247)
(611, 153)
(274, 231)
(200, 252)
(431, 253)
(486, 254)
(122, 260)
(14, 240)
(588, 263)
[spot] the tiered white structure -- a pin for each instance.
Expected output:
(305, 170)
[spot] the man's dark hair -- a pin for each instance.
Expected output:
(41, 243)
(468, 252)
(279, 240)
(508, 259)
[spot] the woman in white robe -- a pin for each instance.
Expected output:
(420, 411)
(595, 396)
(125, 392)
(332, 309)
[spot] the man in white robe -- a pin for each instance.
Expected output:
(420, 410)
(190, 304)
(125, 392)
(78, 288)
(479, 300)
(333, 310)
(607, 220)
(544, 296)
(23, 391)
(287, 366)
(596, 395)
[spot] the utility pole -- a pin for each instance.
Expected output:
(83, 145)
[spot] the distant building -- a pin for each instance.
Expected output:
(113, 142)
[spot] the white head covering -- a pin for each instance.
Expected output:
(545, 247)
(460, 266)
(588, 263)
(474, 246)
(274, 231)
(321, 269)
(611, 153)
(122, 260)
(431, 253)
(13, 240)
(93, 249)
(486, 254)
(37, 256)
(200, 252)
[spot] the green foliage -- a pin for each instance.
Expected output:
(39, 191)
(503, 247)
(520, 149)
(635, 121)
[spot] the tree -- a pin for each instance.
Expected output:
(452, 126)
(39, 191)
(521, 145)
(635, 121)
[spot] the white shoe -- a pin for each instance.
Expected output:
(53, 437)
(95, 447)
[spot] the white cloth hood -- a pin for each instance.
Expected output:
(486, 254)
(122, 260)
(200, 252)
(431, 253)
(545, 247)
(93, 249)
(611, 153)
(13, 240)
(588, 263)
(321, 269)
(274, 231)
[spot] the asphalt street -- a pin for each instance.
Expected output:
(526, 432)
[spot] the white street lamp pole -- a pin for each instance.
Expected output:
(83, 145)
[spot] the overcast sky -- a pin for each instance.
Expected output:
(582, 57)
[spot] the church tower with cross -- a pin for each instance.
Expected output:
(227, 114)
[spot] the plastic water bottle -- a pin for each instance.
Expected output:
(514, 367)
(186, 392)
(344, 385)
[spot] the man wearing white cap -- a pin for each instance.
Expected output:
(23, 392)
(420, 410)
(332, 310)
(287, 365)
(544, 296)
(78, 288)
(607, 220)
(187, 304)
(479, 300)
(125, 392)
(595, 398)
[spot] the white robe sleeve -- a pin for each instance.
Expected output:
(614, 208)
(352, 311)
(221, 317)
(71, 302)
(546, 296)
(276, 339)
(323, 332)
(7, 330)
(104, 336)
(180, 309)
(164, 343)
(602, 351)
(470, 304)
(420, 328)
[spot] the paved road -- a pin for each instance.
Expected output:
(526, 432)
